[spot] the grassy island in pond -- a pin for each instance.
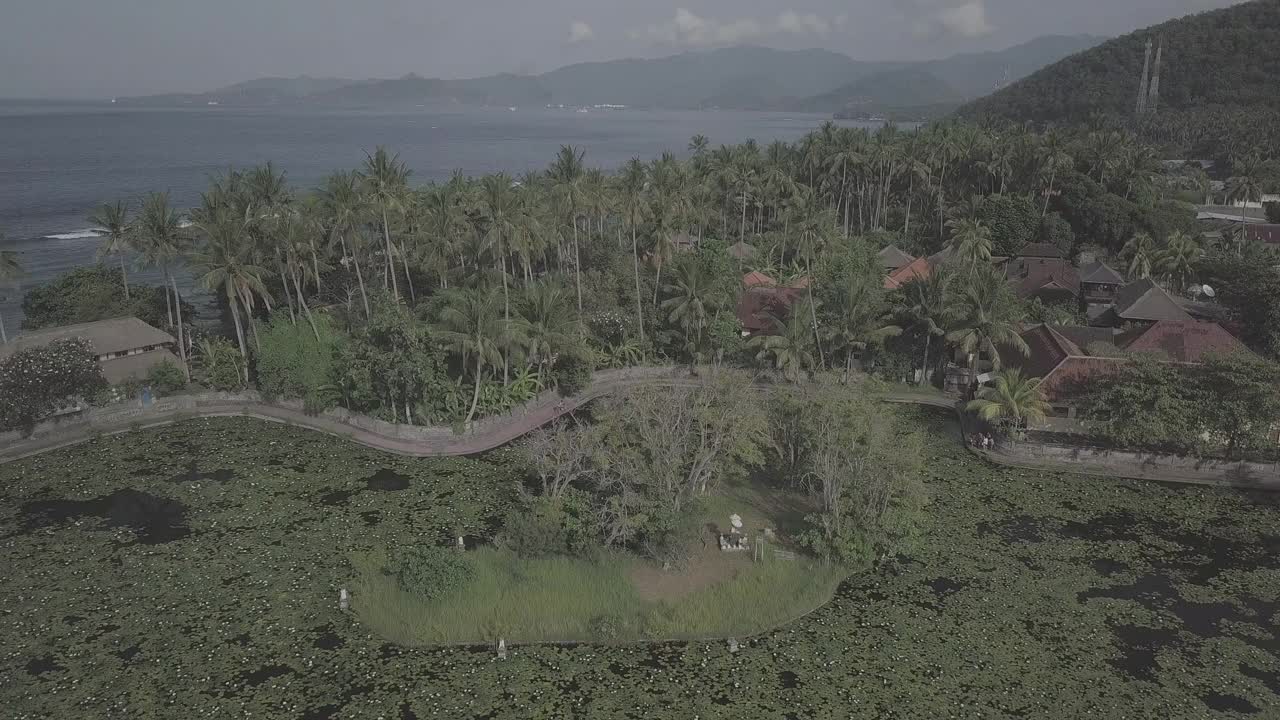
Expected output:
(193, 571)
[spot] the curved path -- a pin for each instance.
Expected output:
(400, 439)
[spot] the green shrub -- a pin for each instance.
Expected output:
(572, 372)
(553, 526)
(219, 364)
(432, 572)
(94, 293)
(166, 378)
(292, 363)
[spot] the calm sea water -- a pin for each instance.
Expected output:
(59, 161)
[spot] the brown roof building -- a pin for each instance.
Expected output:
(125, 347)
(892, 258)
(917, 269)
(1142, 302)
(1041, 270)
(1067, 358)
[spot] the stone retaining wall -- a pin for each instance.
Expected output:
(1124, 463)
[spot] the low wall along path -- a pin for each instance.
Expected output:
(489, 433)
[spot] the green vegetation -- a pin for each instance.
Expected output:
(94, 293)
(298, 360)
(556, 598)
(1150, 581)
(1227, 404)
(1216, 95)
(166, 378)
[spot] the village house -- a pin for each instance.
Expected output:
(1043, 271)
(126, 348)
(1139, 303)
(762, 301)
(1067, 358)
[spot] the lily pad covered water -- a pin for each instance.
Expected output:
(193, 571)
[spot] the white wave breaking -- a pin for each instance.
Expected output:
(77, 234)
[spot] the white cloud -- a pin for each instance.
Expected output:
(580, 32)
(968, 20)
(690, 29)
(802, 24)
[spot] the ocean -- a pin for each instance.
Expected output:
(59, 161)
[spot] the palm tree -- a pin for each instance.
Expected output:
(856, 316)
(113, 220)
(10, 270)
(161, 243)
(566, 175)
(1053, 158)
(690, 304)
(471, 327)
(1245, 184)
(633, 185)
(344, 209)
(788, 349)
(1012, 401)
(925, 308)
(813, 228)
(547, 323)
(986, 321)
(1141, 252)
(1178, 259)
(970, 241)
(224, 263)
(500, 212)
(386, 180)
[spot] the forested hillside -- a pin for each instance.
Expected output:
(1219, 82)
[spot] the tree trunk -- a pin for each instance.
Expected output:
(124, 275)
(3, 337)
(657, 283)
(386, 236)
(182, 338)
(235, 316)
(924, 366)
(288, 296)
(305, 308)
(475, 395)
(1053, 174)
(168, 304)
(742, 227)
(408, 278)
(813, 313)
(577, 264)
(635, 260)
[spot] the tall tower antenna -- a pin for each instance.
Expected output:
(1154, 101)
(1146, 74)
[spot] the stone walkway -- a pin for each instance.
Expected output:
(436, 442)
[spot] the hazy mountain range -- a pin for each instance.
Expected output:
(745, 78)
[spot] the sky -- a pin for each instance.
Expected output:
(105, 48)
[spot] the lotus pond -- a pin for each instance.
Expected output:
(193, 571)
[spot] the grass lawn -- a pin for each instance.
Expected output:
(617, 597)
(193, 571)
(566, 599)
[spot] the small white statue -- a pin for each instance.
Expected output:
(344, 600)
(502, 648)
(462, 546)
(733, 645)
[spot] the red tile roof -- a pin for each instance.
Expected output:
(916, 269)
(758, 279)
(1183, 340)
(1073, 375)
(759, 305)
